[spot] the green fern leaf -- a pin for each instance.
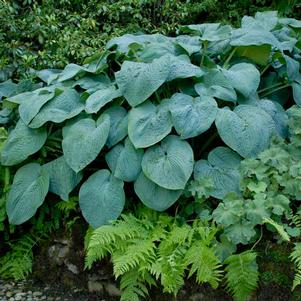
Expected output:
(296, 258)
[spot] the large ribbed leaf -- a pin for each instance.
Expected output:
(222, 168)
(118, 124)
(154, 196)
(138, 81)
(21, 143)
(62, 178)
(125, 161)
(244, 78)
(247, 129)
(297, 93)
(100, 98)
(83, 141)
(149, 124)
(27, 193)
(192, 116)
(32, 104)
(101, 198)
(64, 106)
(170, 164)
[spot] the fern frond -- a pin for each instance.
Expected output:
(241, 274)
(137, 253)
(203, 261)
(281, 231)
(295, 256)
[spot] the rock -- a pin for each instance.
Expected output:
(9, 294)
(11, 299)
(18, 298)
(95, 286)
(37, 294)
(72, 268)
(112, 290)
(197, 297)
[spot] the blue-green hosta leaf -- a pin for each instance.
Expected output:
(27, 193)
(211, 32)
(244, 78)
(62, 178)
(100, 98)
(290, 22)
(192, 116)
(149, 124)
(247, 129)
(137, 81)
(216, 84)
(48, 75)
(21, 143)
(101, 198)
(276, 111)
(32, 104)
(8, 88)
(222, 169)
(64, 106)
(170, 164)
(297, 93)
(265, 20)
(92, 83)
(154, 196)
(83, 141)
(190, 44)
(292, 67)
(118, 124)
(125, 161)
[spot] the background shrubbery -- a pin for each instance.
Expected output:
(50, 33)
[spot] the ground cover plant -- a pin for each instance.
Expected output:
(204, 125)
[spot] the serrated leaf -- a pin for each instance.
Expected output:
(170, 164)
(62, 178)
(83, 141)
(21, 143)
(125, 161)
(101, 198)
(192, 116)
(27, 193)
(241, 232)
(247, 129)
(149, 124)
(154, 196)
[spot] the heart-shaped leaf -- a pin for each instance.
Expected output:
(149, 124)
(154, 196)
(83, 141)
(27, 193)
(21, 143)
(170, 164)
(62, 178)
(101, 198)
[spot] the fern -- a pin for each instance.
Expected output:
(296, 258)
(280, 229)
(241, 274)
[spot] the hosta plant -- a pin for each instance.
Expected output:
(145, 113)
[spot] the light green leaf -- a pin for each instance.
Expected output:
(101, 198)
(27, 193)
(258, 54)
(154, 196)
(62, 178)
(247, 129)
(118, 124)
(149, 124)
(100, 98)
(241, 232)
(64, 106)
(170, 164)
(192, 116)
(125, 161)
(21, 143)
(83, 141)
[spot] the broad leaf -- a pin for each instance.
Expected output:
(247, 129)
(101, 198)
(62, 178)
(192, 116)
(170, 164)
(149, 124)
(27, 193)
(64, 106)
(83, 141)
(125, 161)
(222, 168)
(154, 196)
(21, 143)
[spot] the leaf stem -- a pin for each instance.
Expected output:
(270, 87)
(264, 69)
(227, 61)
(259, 239)
(277, 89)
(208, 142)
(203, 52)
